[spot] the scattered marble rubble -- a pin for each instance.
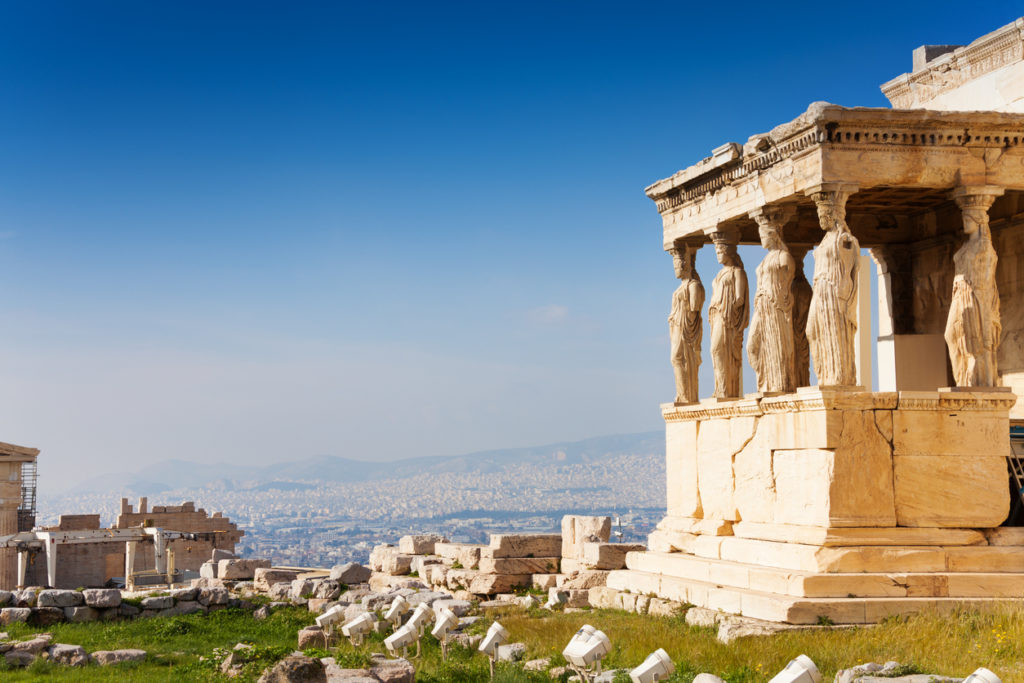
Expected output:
(21, 653)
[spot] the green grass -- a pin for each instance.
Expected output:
(951, 644)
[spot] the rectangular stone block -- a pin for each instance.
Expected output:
(755, 477)
(1006, 535)
(419, 544)
(520, 565)
(951, 491)
(545, 581)
(524, 545)
(841, 536)
(681, 469)
(802, 482)
(714, 465)
(941, 432)
(608, 555)
(489, 584)
(580, 529)
(635, 582)
(986, 559)
(803, 429)
(861, 490)
(240, 570)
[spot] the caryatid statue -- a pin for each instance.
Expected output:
(801, 307)
(973, 327)
(770, 345)
(728, 315)
(832, 318)
(685, 327)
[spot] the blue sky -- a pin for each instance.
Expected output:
(248, 232)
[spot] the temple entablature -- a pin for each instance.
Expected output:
(904, 163)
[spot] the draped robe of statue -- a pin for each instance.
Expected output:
(686, 330)
(832, 318)
(801, 307)
(770, 345)
(973, 327)
(728, 316)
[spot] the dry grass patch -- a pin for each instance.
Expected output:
(953, 644)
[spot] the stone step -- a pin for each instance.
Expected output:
(864, 558)
(805, 584)
(781, 608)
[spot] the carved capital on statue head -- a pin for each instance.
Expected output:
(774, 217)
(770, 222)
(725, 235)
(830, 201)
(684, 256)
(974, 202)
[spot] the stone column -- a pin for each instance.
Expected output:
(771, 346)
(832, 319)
(801, 290)
(728, 315)
(685, 326)
(973, 327)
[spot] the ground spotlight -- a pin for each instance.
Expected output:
(399, 606)
(799, 670)
(357, 628)
(656, 667)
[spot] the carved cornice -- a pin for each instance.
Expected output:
(961, 401)
(944, 73)
(711, 408)
(858, 129)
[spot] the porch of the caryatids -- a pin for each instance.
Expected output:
(973, 326)
(770, 344)
(728, 315)
(685, 325)
(832, 317)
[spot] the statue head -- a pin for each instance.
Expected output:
(725, 247)
(683, 257)
(771, 237)
(974, 220)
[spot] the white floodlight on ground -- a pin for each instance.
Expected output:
(445, 621)
(328, 619)
(402, 639)
(586, 650)
(799, 670)
(556, 597)
(357, 628)
(983, 675)
(496, 636)
(420, 616)
(399, 606)
(656, 667)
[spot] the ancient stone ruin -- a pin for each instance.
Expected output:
(800, 503)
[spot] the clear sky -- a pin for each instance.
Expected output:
(249, 232)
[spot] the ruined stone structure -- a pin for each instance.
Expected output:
(833, 500)
(78, 552)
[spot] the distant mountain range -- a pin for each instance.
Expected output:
(170, 475)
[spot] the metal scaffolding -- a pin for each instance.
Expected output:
(27, 509)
